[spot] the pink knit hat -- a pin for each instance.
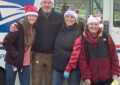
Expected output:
(71, 12)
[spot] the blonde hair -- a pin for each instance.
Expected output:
(28, 39)
(85, 27)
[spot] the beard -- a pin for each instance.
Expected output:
(47, 10)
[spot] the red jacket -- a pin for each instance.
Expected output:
(99, 69)
(74, 55)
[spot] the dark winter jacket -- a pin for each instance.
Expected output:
(74, 57)
(64, 47)
(14, 46)
(46, 31)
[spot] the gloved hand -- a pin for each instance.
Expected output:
(66, 74)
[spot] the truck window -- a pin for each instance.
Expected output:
(116, 13)
(97, 7)
(83, 7)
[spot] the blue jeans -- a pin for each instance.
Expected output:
(74, 78)
(24, 76)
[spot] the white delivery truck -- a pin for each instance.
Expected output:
(13, 10)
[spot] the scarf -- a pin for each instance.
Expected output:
(90, 39)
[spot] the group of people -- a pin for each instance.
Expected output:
(55, 42)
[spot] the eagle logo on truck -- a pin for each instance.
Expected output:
(11, 11)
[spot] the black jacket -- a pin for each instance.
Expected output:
(63, 47)
(101, 51)
(46, 31)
